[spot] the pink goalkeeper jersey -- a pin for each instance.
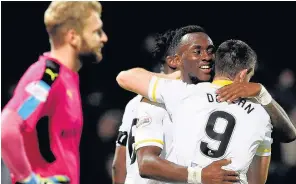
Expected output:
(49, 89)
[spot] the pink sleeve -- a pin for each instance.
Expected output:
(30, 97)
(13, 150)
(22, 112)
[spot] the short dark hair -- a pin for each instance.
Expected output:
(180, 33)
(232, 56)
(162, 43)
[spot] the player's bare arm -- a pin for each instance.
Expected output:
(119, 162)
(137, 80)
(153, 167)
(283, 126)
(118, 166)
(258, 170)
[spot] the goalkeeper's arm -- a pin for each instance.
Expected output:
(13, 150)
(28, 104)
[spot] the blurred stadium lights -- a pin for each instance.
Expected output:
(108, 124)
(149, 43)
(287, 78)
(94, 99)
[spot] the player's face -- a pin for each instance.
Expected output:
(197, 54)
(93, 37)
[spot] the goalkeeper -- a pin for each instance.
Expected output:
(42, 123)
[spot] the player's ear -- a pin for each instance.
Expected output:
(177, 60)
(171, 62)
(73, 38)
(241, 76)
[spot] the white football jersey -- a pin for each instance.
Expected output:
(152, 129)
(205, 130)
(131, 117)
(124, 138)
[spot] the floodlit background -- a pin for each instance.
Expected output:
(269, 28)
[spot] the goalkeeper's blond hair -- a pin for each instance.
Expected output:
(62, 16)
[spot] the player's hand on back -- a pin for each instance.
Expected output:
(214, 174)
(36, 179)
(235, 91)
(238, 89)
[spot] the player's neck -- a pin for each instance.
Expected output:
(216, 78)
(67, 57)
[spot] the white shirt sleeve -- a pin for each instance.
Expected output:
(264, 148)
(125, 126)
(149, 129)
(167, 91)
(126, 120)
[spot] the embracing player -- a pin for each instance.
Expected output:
(126, 138)
(204, 129)
(194, 74)
(123, 164)
(131, 86)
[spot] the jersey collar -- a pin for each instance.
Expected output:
(222, 82)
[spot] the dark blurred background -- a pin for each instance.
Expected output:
(268, 27)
